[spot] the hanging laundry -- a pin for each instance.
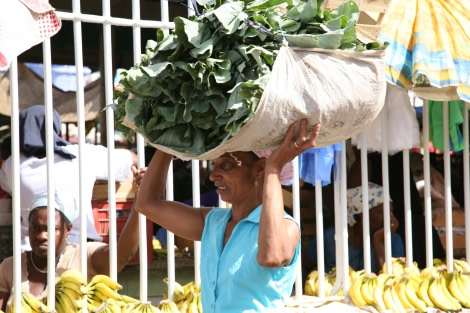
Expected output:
(317, 163)
(436, 124)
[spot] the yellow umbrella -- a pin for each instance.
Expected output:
(429, 48)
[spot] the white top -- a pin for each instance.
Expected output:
(33, 182)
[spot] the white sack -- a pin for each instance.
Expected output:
(403, 127)
(342, 90)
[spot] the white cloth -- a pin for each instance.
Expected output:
(33, 182)
(403, 127)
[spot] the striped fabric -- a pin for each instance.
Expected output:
(429, 44)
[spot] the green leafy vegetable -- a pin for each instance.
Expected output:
(197, 85)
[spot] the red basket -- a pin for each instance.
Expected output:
(101, 216)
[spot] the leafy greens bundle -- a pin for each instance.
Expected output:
(197, 85)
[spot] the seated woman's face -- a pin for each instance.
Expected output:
(38, 236)
(376, 218)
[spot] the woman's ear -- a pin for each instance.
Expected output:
(259, 168)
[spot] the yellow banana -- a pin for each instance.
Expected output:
(199, 303)
(25, 307)
(193, 308)
(441, 296)
(35, 304)
(436, 262)
(131, 307)
(462, 265)
(382, 279)
(183, 306)
(168, 306)
(73, 275)
(68, 302)
(399, 286)
(367, 289)
(105, 279)
(423, 293)
(355, 291)
(399, 307)
(178, 293)
(458, 289)
(68, 284)
(310, 287)
(427, 272)
(128, 299)
(62, 306)
(412, 295)
(103, 291)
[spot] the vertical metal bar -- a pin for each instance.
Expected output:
(319, 234)
(365, 202)
(49, 134)
(447, 190)
(343, 268)
(296, 212)
(80, 98)
(386, 188)
(170, 241)
(137, 40)
(466, 183)
(196, 203)
(108, 90)
(407, 202)
(427, 187)
(16, 196)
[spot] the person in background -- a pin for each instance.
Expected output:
(250, 251)
(355, 234)
(395, 176)
(33, 169)
(34, 262)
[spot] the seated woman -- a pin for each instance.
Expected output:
(355, 238)
(34, 262)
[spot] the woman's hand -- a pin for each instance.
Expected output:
(138, 175)
(293, 145)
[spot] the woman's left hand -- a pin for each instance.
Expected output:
(293, 145)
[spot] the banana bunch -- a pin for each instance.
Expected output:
(461, 265)
(100, 289)
(140, 307)
(399, 267)
(109, 306)
(192, 304)
(186, 297)
(312, 282)
(168, 306)
(70, 291)
(29, 304)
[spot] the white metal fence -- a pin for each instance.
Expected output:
(136, 24)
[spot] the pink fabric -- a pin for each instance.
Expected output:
(287, 173)
(24, 24)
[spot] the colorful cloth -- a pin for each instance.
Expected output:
(354, 200)
(429, 44)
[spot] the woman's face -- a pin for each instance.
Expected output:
(234, 175)
(38, 236)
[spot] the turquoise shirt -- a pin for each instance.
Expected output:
(231, 278)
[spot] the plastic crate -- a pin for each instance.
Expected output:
(101, 219)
